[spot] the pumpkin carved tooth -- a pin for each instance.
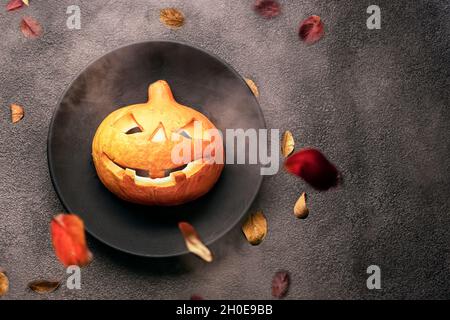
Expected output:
(132, 151)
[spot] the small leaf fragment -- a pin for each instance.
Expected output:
(14, 5)
(26, 2)
(69, 241)
(193, 242)
(17, 113)
(255, 228)
(313, 167)
(288, 144)
(301, 210)
(311, 30)
(197, 297)
(251, 84)
(267, 8)
(171, 17)
(30, 28)
(44, 286)
(4, 283)
(280, 284)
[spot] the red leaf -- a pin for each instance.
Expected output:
(267, 8)
(280, 284)
(311, 29)
(312, 166)
(30, 28)
(69, 240)
(14, 5)
(196, 297)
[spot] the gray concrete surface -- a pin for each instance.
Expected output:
(376, 102)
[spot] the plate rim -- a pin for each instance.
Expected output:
(49, 148)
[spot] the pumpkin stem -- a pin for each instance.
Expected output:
(159, 91)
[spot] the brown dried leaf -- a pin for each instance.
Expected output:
(30, 28)
(255, 228)
(280, 284)
(301, 210)
(17, 113)
(193, 242)
(251, 84)
(4, 283)
(288, 144)
(44, 286)
(171, 17)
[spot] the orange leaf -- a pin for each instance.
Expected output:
(193, 242)
(30, 28)
(17, 113)
(69, 240)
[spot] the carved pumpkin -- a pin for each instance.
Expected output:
(132, 151)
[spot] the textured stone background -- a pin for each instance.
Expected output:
(376, 102)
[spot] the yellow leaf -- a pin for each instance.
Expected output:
(288, 144)
(301, 211)
(193, 242)
(255, 228)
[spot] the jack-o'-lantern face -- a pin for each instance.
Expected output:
(133, 151)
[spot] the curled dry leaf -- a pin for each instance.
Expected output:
(255, 228)
(280, 284)
(267, 8)
(30, 28)
(301, 210)
(17, 113)
(4, 283)
(14, 5)
(193, 242)
(69, 240)
(288, 144)
(171, 17)
(313, 167)
(44, 286)
(251, 84)
(311, 30)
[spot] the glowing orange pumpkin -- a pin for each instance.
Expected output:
(132, 151)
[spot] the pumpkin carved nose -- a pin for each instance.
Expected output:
(159, 92)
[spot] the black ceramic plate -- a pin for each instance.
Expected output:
(120, 78)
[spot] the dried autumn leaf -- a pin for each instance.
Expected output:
(301, 210)
(193, 242)
(44, 286)
(267, 8)
(69, 240)
(4, 283)
(255, 228)
(311, 30)
(280, 284)
(30, 28)
(171, 17)
(313, 167)
(17, 113)
(14, 5)
(288, 144)
(251, 84)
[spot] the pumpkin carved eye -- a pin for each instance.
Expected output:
(134, 130)
(128, 124)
